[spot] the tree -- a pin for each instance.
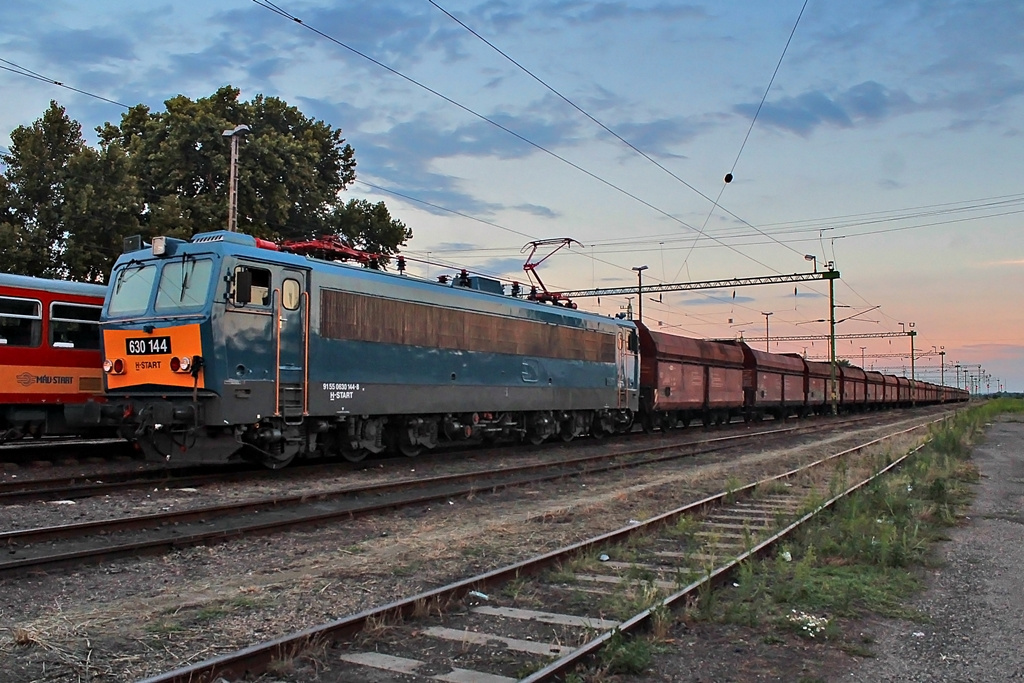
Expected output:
(291, 168)
(102, 206)
(66, 207)
(32, 232)
(369, 226)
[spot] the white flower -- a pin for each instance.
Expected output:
(809, 624)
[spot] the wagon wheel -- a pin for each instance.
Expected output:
(666, 422)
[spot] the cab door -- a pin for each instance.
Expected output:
(291, 313)
(628, 369)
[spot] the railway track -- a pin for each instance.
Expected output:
(483, 628)
(81, 485)
(84, 542)
(53, 449)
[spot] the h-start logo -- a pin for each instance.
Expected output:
(25, 379)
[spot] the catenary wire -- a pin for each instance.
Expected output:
(268, 5)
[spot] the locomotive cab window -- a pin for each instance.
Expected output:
(133, 285)
(251, 286)
(291, 292)
(183, 284)
(21, 322)
(74, 326)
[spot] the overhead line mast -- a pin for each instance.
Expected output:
(688, 286)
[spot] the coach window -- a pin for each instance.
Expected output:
(252, 286)
(291, 292)
(21, 322)
(74, 326)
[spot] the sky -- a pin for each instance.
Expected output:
(883, 137)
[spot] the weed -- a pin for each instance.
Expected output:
(732, 485)
(661, 622)
(624, 655)
(853, 559)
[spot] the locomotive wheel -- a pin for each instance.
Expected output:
(536, 439)
(356, 455)
(410, 450)
(277, 461)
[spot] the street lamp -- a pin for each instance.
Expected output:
(235, 133)
(640, 292)
(942, 365)
(862, 357)
(812, 257)
(766, 342)
(911, 334)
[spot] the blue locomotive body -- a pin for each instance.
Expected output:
(223, 348)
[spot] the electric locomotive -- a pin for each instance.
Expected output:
(49, 356)
(226, 348)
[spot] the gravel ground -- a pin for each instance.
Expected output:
(976, 600)
(122, 620)
(972, 630)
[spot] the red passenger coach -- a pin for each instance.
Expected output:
(50, 374)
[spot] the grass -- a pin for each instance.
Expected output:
(862, 558)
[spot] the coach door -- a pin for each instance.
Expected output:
(291, 310)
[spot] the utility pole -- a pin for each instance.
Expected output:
(235, 133)
(766, 337)
(640, 291)
(832, 335)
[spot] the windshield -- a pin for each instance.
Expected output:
(132, 287)
(183, 284)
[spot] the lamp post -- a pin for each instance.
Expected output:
(640, 292)
(862, 357)
(910, 334)
(812, 257)
(235, 133)
(766, 342)
(942, 365)
(832, 336)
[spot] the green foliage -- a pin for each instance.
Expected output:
(858, 558)
(369, 226)
(33, 229)
(290, 167)
(624, 655)
(66, 207)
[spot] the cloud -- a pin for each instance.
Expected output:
(713, 299)
(504, 267)
(85, 47)
(535, 210)
(803, 114)
(579, 12)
